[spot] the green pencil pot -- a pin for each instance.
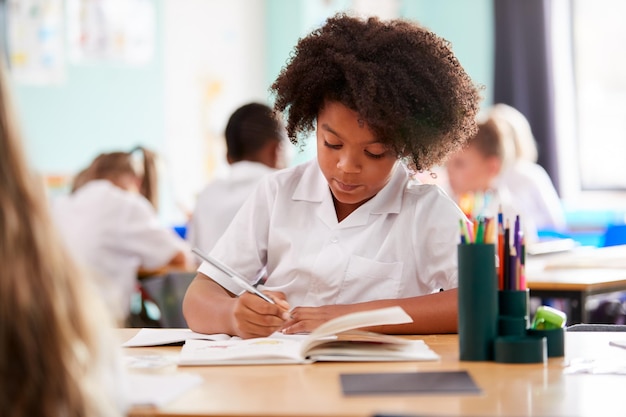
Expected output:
(513, 312)
(514, 303)
(555, 339)
(478, 301)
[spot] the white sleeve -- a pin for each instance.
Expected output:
(148, 239)
(221, 278)
(243, 246)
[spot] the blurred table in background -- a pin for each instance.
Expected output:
(580, 282)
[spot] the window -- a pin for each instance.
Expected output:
(590, 81)
(591, 93)
(599, 36)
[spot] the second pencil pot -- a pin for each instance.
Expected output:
(513, 312)
(478, 301)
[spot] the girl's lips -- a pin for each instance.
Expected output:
(346, 187)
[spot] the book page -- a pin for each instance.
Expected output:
(348, 351)
(158, 337)
(389, 315)
(263, 350)
(354, 338)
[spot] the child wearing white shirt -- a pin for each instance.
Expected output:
(528, 182)
(350, 231)
(114, 231)
(254, 139)
(492, 166)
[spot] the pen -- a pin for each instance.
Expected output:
(232, 274)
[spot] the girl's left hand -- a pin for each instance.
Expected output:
(307, 319)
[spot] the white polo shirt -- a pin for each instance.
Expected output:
(220, 200)
(401, 243)
(113, 232)
(533, 192)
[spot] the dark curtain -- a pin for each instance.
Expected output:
(523, 70)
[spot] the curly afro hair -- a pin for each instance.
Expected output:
(401, 78)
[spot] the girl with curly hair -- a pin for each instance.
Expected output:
(350, 230)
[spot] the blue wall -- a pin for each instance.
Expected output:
(468, 25)
(97, 108)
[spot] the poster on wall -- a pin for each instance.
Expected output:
(35, 41)
(111, 31)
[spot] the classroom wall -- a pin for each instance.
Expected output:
(214, 63)
(209, 57)
(97, 106)
(469, 28)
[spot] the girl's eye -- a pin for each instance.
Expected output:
(374, 155)
(331, 146)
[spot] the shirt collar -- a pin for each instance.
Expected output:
(246, 170)
(314, 188)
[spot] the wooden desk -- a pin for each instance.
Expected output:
(314, 390)
(592, 272)
(577, 286)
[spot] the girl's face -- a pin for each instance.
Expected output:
(469, 171)
(355, 164)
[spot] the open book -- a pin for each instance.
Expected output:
(335, 340)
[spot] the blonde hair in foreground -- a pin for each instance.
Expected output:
(53, 355)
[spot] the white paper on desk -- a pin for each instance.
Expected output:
(621, 343)
(596, 367)
(159, 337)
(159, 389)
(610, 257)
(551, 246)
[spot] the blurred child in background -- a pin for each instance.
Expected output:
(528, 182)
(486, 176)
(110, 224)
(254, 141)
(473, 172)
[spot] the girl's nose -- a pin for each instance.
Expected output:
(349, 163)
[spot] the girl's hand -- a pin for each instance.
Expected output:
(255, 317)
(307, 319)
